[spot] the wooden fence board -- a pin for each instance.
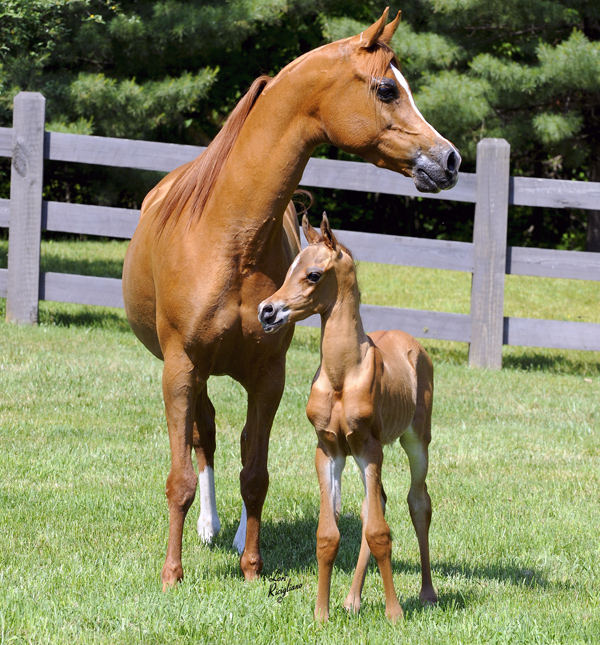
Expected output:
(409, 251)
(559, 334)
(6, 142)
(3, 282)
(361, 176)
(121, 153)
(89, 220)
(551, 263)
(419, 323)
(81, 289)
(4, 213)
(554, 193)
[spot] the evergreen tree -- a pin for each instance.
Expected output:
(172, 71)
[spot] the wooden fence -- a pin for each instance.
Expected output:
(487, 258)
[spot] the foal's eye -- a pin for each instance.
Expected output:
(387, 90)
(313, 277)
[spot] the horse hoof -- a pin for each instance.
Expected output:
(170, 577)
(395, 614)
(251, 566)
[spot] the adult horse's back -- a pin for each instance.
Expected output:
(213, 242)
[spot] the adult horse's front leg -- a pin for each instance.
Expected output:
(180, 398)
(264, 395)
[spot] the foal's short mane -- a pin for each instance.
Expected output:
(196, 183)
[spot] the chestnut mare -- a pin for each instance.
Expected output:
(210, 246)
(369, 390)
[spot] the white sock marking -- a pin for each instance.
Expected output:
(208, 522)
(239, 541)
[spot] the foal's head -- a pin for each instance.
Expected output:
(320, 274)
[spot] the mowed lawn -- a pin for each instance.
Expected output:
(514, 479)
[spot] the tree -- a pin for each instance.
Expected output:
(172, 70)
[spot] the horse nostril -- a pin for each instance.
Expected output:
(267, 312)
(453, 162)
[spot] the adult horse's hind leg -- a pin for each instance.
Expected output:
(180, 398)
(419, 502)
(263, 400)
(204, 445)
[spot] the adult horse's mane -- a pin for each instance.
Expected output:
(197, 181)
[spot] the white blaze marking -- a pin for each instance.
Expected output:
(402, 81)
(208, 522)
(239, 541)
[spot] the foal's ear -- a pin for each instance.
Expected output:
(371, 35)
(310, 233)
(327, 234)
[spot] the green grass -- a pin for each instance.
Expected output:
(514, 479)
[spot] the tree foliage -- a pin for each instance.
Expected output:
(172, 70)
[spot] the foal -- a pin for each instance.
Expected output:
(369, 390)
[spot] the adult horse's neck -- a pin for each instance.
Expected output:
(344, 343)
(265, 166)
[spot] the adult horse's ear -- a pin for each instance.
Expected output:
(310, 233)
(327, 234)
(390, 30)
(370, 36)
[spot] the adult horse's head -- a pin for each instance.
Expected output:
(366, 107)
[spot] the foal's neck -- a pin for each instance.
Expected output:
(344, 344)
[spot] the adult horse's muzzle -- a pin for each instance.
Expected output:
(271, 316)
(437, 170)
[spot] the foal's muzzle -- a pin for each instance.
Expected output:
(271, 317)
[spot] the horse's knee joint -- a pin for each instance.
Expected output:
(328, 544)
(379, 541)
(181, 490)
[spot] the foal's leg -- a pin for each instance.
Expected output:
(179, 397)
(352, 601)
(329, 470)
(419, 504)
(264, 396)
(377, 530)
(204, 445)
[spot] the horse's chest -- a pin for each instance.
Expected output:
(336, 416)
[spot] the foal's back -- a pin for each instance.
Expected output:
(406, 384)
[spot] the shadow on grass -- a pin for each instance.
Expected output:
(66, 315)
(584, 363)
(291, 546)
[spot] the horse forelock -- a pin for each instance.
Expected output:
(381, 57)
(193, 188)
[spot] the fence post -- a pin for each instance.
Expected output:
(26, 182)
(489, 239)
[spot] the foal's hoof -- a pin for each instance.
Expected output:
(394, 614)
(352, 604)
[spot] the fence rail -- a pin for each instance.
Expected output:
(487, 258)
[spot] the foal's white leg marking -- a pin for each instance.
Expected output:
(208, 522)
(239, 541)
(402, 81)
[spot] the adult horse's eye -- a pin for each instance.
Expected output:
(387, 90)
(313, 277)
